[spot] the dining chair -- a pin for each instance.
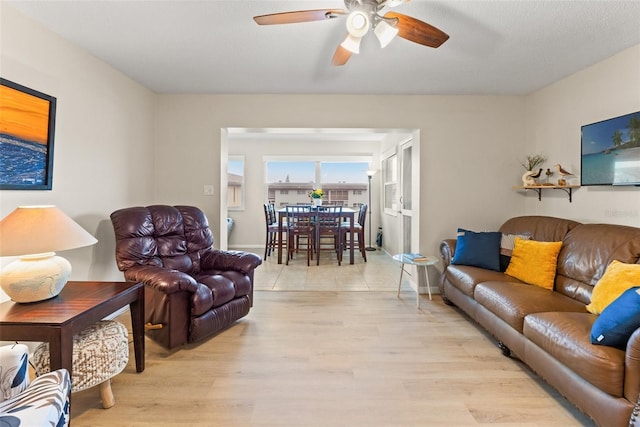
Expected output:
(358, 230)
(271, 222)
(329, 219)
(300, 224)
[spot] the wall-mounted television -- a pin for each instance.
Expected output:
(611, 151)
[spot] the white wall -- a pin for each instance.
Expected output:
(116, 147)
(470, 146)
(103, 152)
(608, 89)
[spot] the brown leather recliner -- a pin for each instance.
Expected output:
(192, 290)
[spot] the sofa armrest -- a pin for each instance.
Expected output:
(165, 280)
(44, 402)
(632, 368)
(244, 262)
(447, 249)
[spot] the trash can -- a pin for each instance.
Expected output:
(229, 227)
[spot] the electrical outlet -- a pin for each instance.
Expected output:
(208, 190)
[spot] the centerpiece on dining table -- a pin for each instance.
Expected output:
(316, 197)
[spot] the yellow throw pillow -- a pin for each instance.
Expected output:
(534, 262)
(617, 278)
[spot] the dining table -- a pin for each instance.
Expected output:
(347, 213)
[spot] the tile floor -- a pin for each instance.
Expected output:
(379, 273)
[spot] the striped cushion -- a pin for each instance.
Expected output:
(14, 375)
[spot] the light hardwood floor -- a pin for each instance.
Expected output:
(330, 356)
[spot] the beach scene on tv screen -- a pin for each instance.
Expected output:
(611, 151)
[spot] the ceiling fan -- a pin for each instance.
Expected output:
(363, 15)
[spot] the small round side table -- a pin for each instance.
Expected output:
(421, 267)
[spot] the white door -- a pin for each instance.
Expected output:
(406, 197)
(400, 179)
(409, 206)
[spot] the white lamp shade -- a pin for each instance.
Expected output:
(352, 44)
(34, 233)
(385, 33)
(38, 229)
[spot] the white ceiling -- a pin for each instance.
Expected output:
(214, 46)
(372, 135)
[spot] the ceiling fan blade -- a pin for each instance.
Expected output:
(417, 31)
(298, 16)
(341, 56)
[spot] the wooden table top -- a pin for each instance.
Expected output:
(75, 299)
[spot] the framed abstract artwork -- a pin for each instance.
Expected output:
(27, 127)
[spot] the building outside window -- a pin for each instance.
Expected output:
(235, 183)
(344, 182)
(339, 197)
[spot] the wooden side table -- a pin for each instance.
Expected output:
(79, 305)
(421, 267)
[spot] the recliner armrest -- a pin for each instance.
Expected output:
(162, 279)
(244, 262)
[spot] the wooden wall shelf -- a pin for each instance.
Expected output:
(538, 189)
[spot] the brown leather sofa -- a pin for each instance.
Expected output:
(550, 330)
(192, 290)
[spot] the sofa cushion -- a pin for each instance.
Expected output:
(512, 301)
(534, 262)
(616, 279)
(618, 320)
(478, 249)
(465, 278)
(565, 336)
(582, 262)
(507, 243)
(14, 373)
(541, 228)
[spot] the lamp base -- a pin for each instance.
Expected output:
(369, 248)
(35, 277)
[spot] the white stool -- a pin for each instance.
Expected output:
(100, 352)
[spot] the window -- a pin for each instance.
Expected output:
(389, 179)
(344, 181)
(339, 195)
(235, 183)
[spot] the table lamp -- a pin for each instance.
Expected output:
(33, 233)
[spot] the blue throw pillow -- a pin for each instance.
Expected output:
(478, 249)
(618, 320)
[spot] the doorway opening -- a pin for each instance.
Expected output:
(260, 146)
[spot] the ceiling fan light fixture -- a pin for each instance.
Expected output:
(394, 3)
(385, 33)
(352, 44)
(358, 23)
